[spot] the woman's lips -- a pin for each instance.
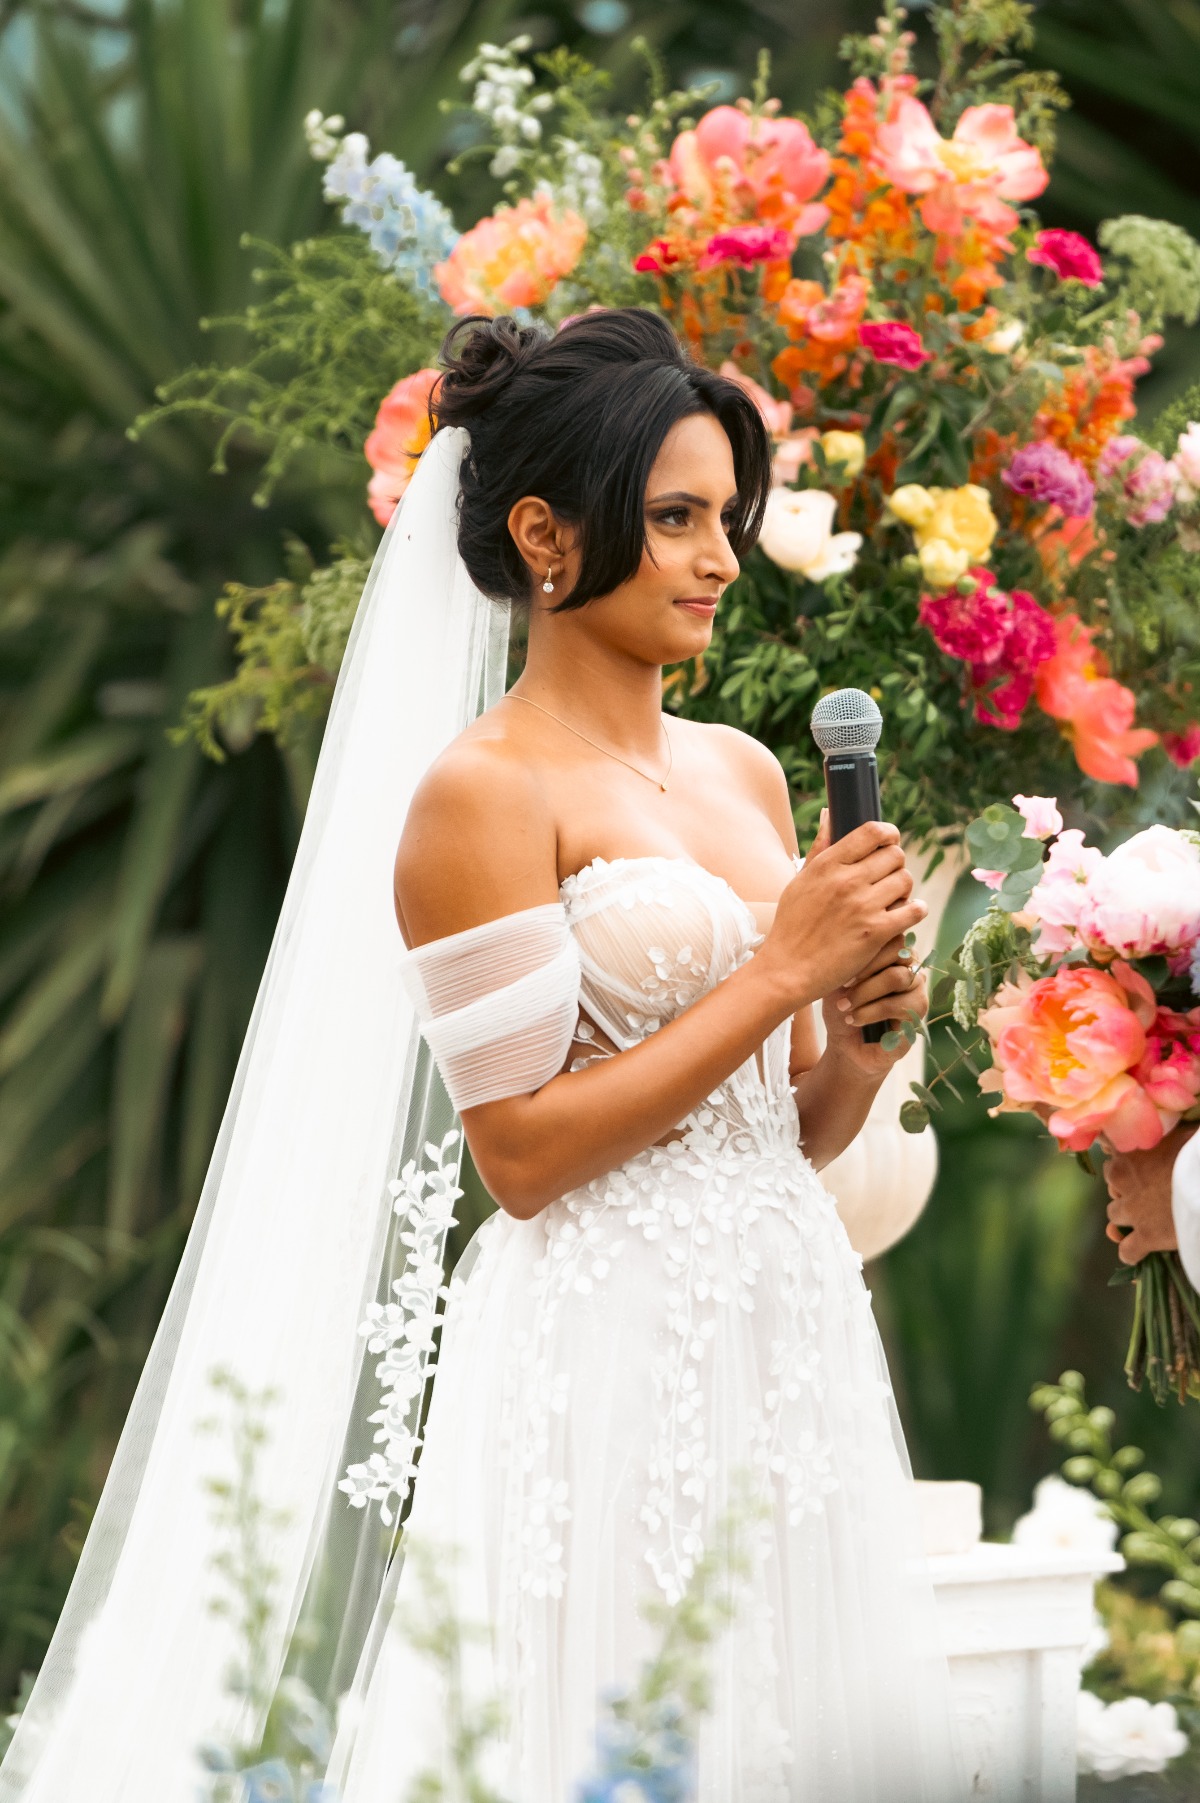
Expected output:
(697, 604)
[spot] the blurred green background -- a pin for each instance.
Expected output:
(139, 141)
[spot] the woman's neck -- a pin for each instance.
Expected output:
(597, 688)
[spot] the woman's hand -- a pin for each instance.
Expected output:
(892, 987)
(837, 915)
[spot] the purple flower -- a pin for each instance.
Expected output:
(1045, 472)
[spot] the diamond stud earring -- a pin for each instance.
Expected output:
(548, 585)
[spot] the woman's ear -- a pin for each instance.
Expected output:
(546, 543)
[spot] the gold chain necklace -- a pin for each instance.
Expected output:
(661, 781)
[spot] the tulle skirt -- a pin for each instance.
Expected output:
(682, 1344)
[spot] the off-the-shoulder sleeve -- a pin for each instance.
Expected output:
(498, 1003)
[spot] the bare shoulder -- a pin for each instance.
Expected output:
(753, 765)
(479, 840)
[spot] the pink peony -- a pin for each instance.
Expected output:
(892, 341)
(1070, 1042)
(966, 179)
(515, 258)
(1148, 480)
(747, 244)
(773, 165)
(1071, 257)
(1183, 748)
(1045, 472)
(1169, 1071)
(1144, 898)
(1057, 901)
(399, 435)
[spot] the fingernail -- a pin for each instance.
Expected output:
(843, 1004)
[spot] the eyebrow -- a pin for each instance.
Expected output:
(682, 494)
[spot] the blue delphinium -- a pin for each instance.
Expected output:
(409, 228)
(270, 1782)
(642, 1763)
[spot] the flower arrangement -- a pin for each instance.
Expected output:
(1083, 979)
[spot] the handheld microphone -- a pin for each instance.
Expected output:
(846, 726)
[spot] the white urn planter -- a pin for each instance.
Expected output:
(884, 1178)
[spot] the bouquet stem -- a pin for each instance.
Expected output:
(1164, 1345)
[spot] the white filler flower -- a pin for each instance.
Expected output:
(1065, 1519)
(1119, 1740)
(798, 534)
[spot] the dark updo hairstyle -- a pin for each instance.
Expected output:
(578, 418)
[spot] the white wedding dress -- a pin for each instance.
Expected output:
(614, 1371)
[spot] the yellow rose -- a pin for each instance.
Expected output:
(963, 517)
(845, 452)
(941, 563)
(912, 504)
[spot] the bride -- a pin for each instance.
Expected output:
(613, 951)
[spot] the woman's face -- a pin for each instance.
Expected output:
(664, 613)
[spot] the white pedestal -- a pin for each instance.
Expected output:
(1014, 1623)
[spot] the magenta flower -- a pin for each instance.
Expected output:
(1149, 481)
(1183, 748)
(1002, 638)
(1071, 257)
(747, 244)
(1045, 472)
(891, 341)
(973, 627)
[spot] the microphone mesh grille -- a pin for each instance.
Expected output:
(847, 721)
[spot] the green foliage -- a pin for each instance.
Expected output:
(1160, 279)
(981, 47)
(331, 336)
(1169, 1543)
(289, 638)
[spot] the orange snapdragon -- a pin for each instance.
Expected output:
(1094, 400)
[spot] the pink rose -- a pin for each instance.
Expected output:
(1144, 898)
(892, 341)
(1070, 1042)
(1071, 257)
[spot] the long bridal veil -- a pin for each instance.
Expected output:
(293, 1237)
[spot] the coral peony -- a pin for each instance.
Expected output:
(1144, 898)
(1045, 472)
(892, 341)
(1146, 477)
(1058, 899)
(747, 245)
(797, 534)
(399, 435)
(1073, 685)
(1183, 748)
(1070, 256)
(772, 165)
(515, 258)
(966, 180)
(1069, 1042)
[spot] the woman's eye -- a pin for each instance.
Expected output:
(673, 516)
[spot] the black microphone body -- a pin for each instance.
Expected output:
(846, 726)
(852, 791)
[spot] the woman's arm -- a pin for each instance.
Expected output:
(480, 843)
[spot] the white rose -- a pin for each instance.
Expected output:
(797, 534)
(1065, 1519)
(1187, 462)
(1132, 1735)
(1145, 897)
(1005, 338)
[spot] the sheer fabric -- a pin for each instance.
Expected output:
(498, 1003)
(613, 1375)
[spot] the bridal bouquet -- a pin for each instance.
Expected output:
(1083, 976)
(964, 520)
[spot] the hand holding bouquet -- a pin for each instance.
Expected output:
(1084, 978)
